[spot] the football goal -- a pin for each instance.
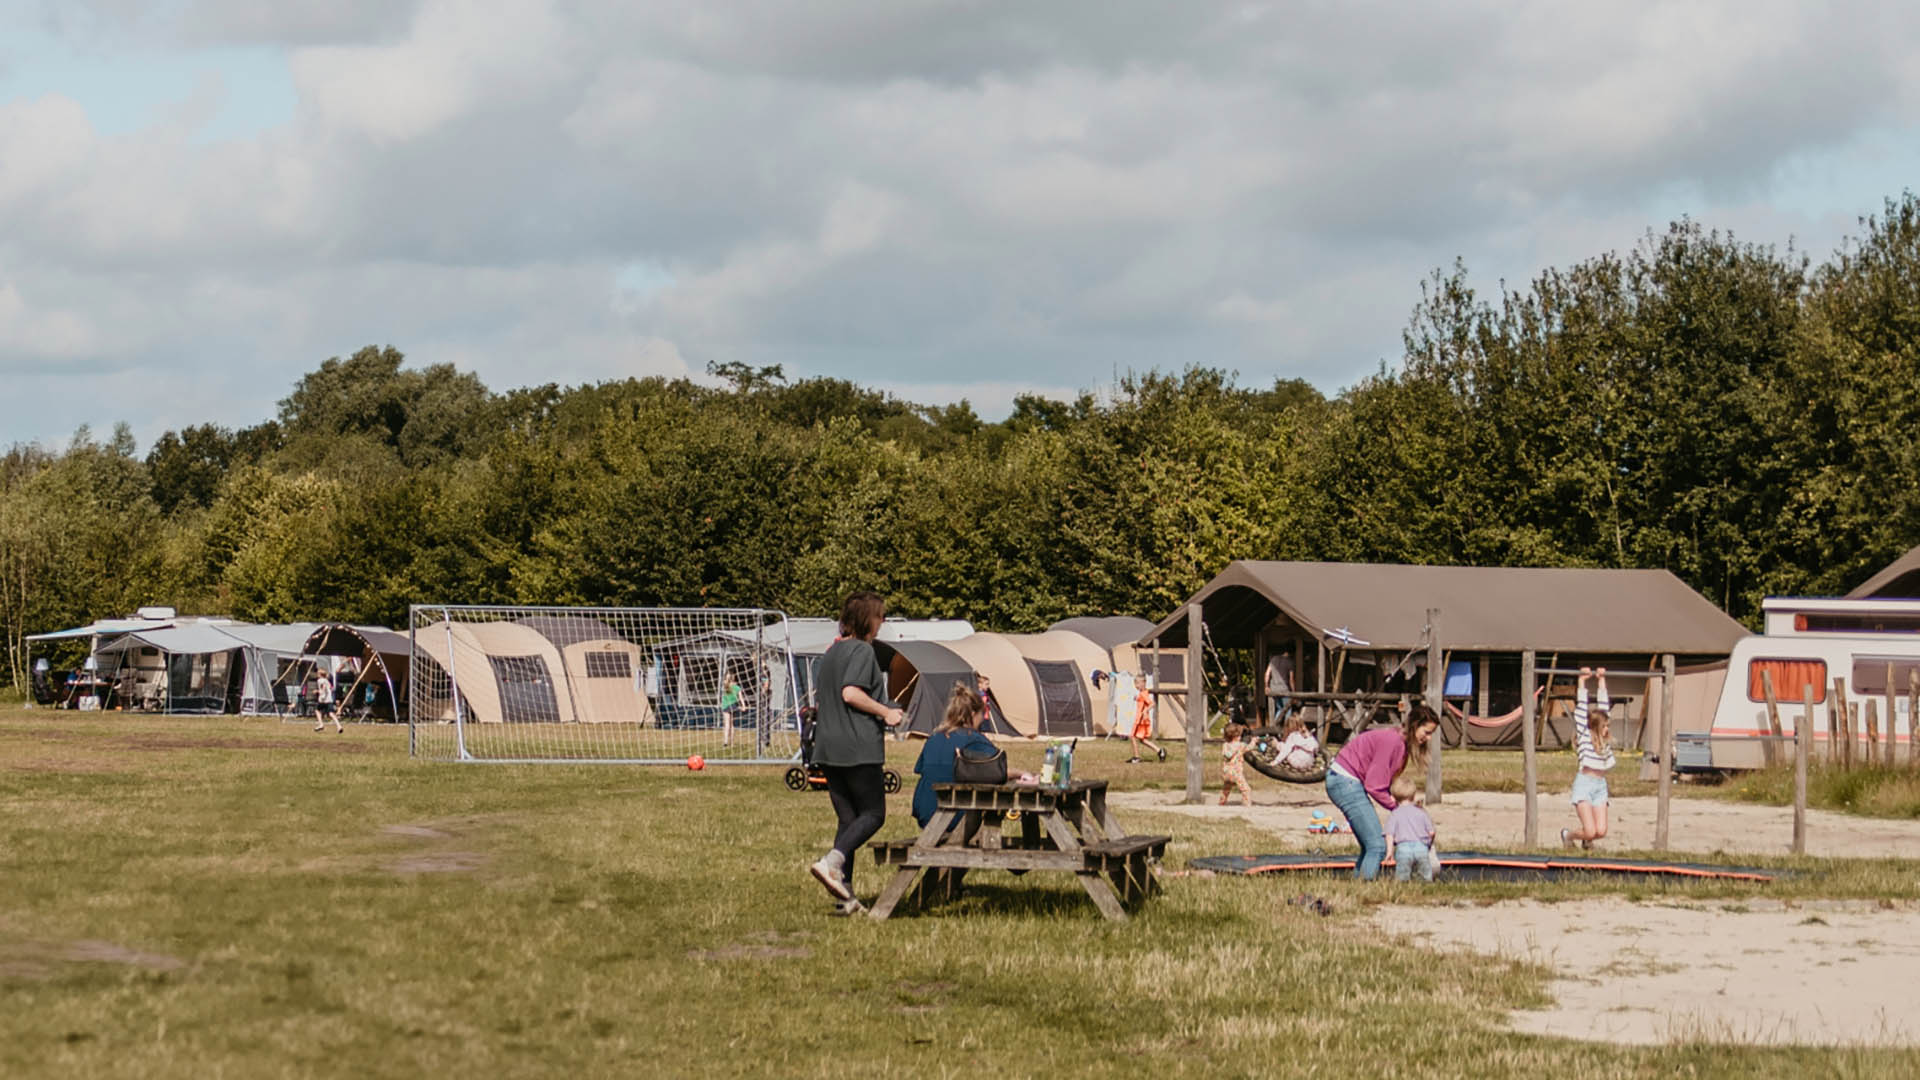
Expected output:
(629, 685)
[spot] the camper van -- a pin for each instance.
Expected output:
(1806, 645)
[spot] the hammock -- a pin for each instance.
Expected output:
(1264, 756)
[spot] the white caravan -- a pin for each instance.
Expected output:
(1807, 644)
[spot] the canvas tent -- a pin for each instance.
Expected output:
(1108, 632)
(921, 676)
(1061, 665)
(382, 659)
(604, 671)
(497, 670)
(1362, 626)
(996, 657)
(1899, 580)
(202, 666)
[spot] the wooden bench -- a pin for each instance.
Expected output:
(1126, 860)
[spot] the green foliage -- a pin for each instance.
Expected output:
(1720, 409)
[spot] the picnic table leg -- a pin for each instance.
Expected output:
(1090, 880)
(897, 888)
(1108, 822)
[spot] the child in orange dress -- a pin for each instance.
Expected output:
(1233, 770)
(1142, 732)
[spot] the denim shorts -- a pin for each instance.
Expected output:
(1589, 789)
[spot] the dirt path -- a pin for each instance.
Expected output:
(1823, 973)
(1472, 819)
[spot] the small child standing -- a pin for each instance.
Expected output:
(1233, 769)
(1410, 828)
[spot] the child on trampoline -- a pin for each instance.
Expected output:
(1233, 767)
(1410, 828)
(1592, 738)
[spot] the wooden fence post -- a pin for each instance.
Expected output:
(1436, 689)
(1529, 748)
(1873, 733)
(1841, 710)
(1666, 753)
(1196, 706)
(1913, 716)
(1893, 725)
(1802, 746)
(1773, 715)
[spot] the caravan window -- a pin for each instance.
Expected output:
(608, 665)
(1870, 673)
(1791, 679)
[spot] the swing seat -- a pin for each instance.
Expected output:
(1269, 765)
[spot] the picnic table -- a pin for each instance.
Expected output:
(1071, 829)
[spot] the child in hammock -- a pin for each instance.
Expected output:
(1297, 746)
(1233, 767)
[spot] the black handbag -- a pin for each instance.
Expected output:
(972, 766)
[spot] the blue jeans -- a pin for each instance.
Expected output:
(1357, 805)
(1409, 856)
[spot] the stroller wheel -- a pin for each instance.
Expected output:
(797, 779)
(890, 782)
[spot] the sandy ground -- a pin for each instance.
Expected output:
(1807, 972)
(1479, 819)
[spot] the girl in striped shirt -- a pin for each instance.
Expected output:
(1593, 740)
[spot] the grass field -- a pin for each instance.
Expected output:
(243, 898)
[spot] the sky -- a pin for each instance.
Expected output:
(201, 200)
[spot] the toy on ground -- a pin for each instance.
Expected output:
(808, 776)
(696, 763)
(1322, 822)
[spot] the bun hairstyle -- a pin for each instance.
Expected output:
(963, 709)
(861, 615)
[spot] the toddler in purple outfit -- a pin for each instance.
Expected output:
(1410, 829)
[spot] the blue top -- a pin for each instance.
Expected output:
(936, 765)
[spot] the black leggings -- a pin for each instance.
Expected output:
(860, 802)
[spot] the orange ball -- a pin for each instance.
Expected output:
(696, 763)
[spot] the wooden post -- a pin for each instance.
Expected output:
(1913, 716)
(1773, 713)
(1529, 746)
(1873, 733)
(1436, 689)
(1486, 677)
(1891, 757)
(1260, 703)
(1660, 822)
(1196, 706)
(1837, 723)
(1151, 681)
(1802, 746)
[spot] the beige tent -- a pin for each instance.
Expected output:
(1170, 720)
(603, 670)
(995, 656)
(501, 671)
(1061, 667)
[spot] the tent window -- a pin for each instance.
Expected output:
(1870, 674)
(609, 665)
(519, 669)
(1791, 679)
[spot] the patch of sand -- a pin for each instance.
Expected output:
(41, 960)
(1821, 973)
(1467, 820)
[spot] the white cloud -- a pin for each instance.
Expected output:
(930, 194)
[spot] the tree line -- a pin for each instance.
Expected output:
(1732, 412)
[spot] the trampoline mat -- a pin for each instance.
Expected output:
(1488, 866)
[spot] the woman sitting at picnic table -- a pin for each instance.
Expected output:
(955, 733)
(1363, 774)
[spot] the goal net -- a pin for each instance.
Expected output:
(636, 685)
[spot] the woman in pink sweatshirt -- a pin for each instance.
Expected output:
(1362, 775)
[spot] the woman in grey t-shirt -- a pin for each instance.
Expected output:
(849, 741)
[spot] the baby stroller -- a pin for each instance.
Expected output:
(807, 776)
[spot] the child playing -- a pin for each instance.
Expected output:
(1142, 732)
(1298, 748)
(1411, 829)
(1233, 770)
(1593, 739)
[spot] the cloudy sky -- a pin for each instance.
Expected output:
(202, 199)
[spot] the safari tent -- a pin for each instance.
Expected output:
(604, 672)
(921, 676)
(381, 658)
(500, 671)
(1359, 632)
(1061, 665)
(996, 657)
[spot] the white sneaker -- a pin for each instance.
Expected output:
(827, 872)
(1566, 838)
(848, 908)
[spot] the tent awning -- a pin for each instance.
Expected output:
(928, 658)
(192, 639)
(1486, 608)
(101, 628)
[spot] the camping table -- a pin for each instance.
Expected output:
(1069, 829)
